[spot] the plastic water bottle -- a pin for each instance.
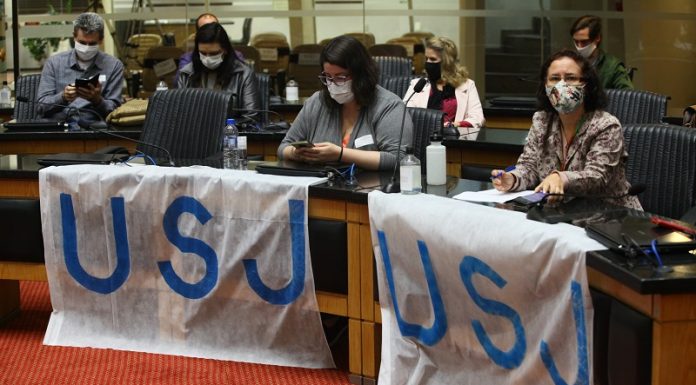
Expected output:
(229, 145)
(161, 86)
(5, 96)
(410, 173)
(435, 161)
(292, 91)
(242, 152)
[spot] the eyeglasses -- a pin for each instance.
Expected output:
(337, 80)
(571, 80)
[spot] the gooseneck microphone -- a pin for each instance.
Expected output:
(102, 126)
(281, 124)
(25, 99)
(393, 186)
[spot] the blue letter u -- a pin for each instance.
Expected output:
(294, 288)
(583, 377)
(72, 262)
(513, 357)
(429, 336)
(201, 288)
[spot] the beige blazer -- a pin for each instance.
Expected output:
(468, 102)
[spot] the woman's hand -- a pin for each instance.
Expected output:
(502, 181)
(324, 152)
(552, 184)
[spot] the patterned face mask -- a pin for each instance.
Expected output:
(565, 98)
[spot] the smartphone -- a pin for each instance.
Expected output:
(531, 199)
(301, 144)
(85, 82)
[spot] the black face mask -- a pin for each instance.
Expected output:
(434, 71)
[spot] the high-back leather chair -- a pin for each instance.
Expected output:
(388, 50)
(635, 106)
(26, 86)
(187, 122)
(246, 33)
(263, 82)
(155, 56)
(251, 56)
(397, 84)
(663, 157)
(390, 66)
(305, 67)
(425, 122)
(274, 52)
(366, 38)
(415, 49)
(137, 47)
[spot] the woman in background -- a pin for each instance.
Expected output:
(573, 146)
(352, 119)
(450, 89)
(215, 66)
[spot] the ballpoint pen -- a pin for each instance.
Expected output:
(500, 174)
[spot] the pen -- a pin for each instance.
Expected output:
(507, 169)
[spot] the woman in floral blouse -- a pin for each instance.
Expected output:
(573, 146)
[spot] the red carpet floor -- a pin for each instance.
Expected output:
(25, 360)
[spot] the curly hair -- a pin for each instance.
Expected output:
(595, 98)
(453, 73)
(347, 52)
(213, 33)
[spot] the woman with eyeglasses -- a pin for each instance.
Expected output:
(215, 66)
(351, 119)
(574, 147)
(450, 89)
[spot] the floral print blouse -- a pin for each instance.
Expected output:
(593, 165)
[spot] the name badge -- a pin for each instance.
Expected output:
(102, 79)
(363, 141)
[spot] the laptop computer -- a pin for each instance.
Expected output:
(68, 158)
(290, 168)
(37, 125)
(623, 234)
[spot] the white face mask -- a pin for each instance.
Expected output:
(343, 93)
(587, 50)
(211, 62)
(86, 52)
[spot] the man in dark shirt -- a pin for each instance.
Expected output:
(61, 98)
(587, 35)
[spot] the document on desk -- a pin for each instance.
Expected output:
(190, 261)
(491, 196)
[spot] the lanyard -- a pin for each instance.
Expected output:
(566, 147)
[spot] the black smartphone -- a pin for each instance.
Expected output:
(302, 143)
(85, 82)
(531, 199)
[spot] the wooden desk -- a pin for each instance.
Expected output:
(515, 117)
(55, 142)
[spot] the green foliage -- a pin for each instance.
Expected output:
(38, 46)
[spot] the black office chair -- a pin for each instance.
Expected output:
(425, 122)
(26, 86)
(390, 66)
(263, 82)
(634, 106)
(187, 122)
(663, 157)
(479, 173)
(397, 84)
(246, 33)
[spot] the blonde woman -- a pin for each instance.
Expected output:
(450, 89)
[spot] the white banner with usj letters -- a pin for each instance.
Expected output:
(187, 261)
(471, 294)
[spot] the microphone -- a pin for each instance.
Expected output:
(280, 125)
(393, 186)
(102, 126)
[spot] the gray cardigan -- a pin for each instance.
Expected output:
(318, 123)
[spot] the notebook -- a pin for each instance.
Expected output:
(620, 234)
(68, 158)
(37, 125)
(290, 168)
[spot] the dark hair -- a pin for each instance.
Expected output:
(595, 98)
(347, 52)
(213, 33)
(592, 22)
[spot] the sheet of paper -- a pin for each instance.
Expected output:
(491, 195)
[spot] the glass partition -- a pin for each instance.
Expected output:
(501, 42)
